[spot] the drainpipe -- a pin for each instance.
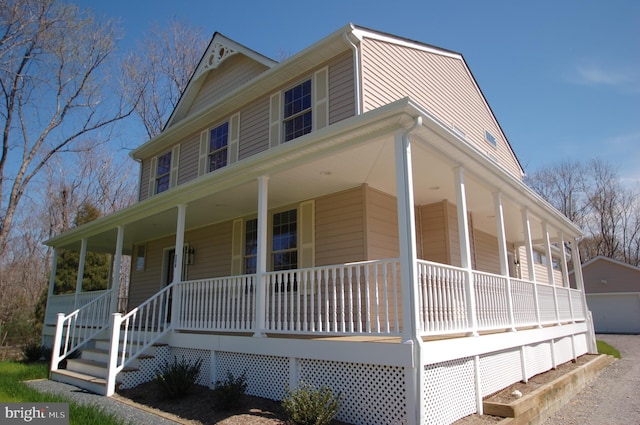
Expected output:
(356, 70)
(409, 272)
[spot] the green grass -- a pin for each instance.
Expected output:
(604, 348)
(13, 390)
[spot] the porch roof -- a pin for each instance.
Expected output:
(356, 151)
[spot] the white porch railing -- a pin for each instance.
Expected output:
(66, 303)
(134, 332)
(80, 326)
(220, 304)
(500, 302)
(354, 298)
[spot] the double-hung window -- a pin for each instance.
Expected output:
(284, 247)
(218, 146)
(297, 111)
(250, 246)
(163, 172)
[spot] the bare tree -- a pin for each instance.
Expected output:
(593, 196)
(160, 68)
(53, 60)
(563, 185)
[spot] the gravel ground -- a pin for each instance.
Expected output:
(130, 414)
(612, 398)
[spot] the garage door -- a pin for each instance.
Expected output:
(615, 313)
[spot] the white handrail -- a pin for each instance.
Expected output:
(136, 331)
(80, 326)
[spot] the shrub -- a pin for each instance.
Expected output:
(229, 393)
(310, 406)
(176, 379)
(34, 351)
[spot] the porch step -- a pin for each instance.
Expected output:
(80, 380)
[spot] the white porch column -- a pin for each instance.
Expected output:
(565, 274)
(550, 274)
(115, 274)
(526, 224)
(502, 252)
(465, 247)
(409, 272)
(178, 263)
(261, 256)
(81, 261)
(577, 273)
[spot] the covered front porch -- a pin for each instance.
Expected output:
(487, 278)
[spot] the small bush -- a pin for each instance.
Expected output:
(176, 379)
(229, 393)
(34, 351)
(310, 406)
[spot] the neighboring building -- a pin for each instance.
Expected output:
(613, 295)
(352, 217)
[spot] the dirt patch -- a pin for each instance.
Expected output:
(198, 407)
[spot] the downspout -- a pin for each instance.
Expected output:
(356, 71)
(409, 273)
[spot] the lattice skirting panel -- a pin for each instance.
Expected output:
(448, 391)
(499, 370)
(538, 358)
(146, 367)
(267, 376)
(372, 394)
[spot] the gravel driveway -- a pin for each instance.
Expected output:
(614, 397)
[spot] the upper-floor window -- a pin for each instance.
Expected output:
(163, 172)
(285, 240)
(297, 111)
(218, 142)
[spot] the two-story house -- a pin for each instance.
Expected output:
(352, 217)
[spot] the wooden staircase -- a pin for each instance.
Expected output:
(89, 370)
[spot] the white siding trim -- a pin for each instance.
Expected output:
(236, 247)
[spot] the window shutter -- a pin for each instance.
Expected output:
(307, 234)
(175, 159)
(204, 152)
(152, 177)
(234, 139)
(275, 119)
(321, 99)
(236, 248)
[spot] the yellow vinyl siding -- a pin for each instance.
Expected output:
(433, 243)
(485, 252)
(341, 88)
(188, 165)
(145, 173)
(442, 84)
(339, 224)
(382, 225)
(232, 73)
(145, 284)
(212, 246)
(254, 129)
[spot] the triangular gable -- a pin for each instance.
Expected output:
(601, 258)
(219, 50)
(361, 32)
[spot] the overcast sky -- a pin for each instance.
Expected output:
(562, 77)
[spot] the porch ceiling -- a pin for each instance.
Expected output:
(360, 153)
